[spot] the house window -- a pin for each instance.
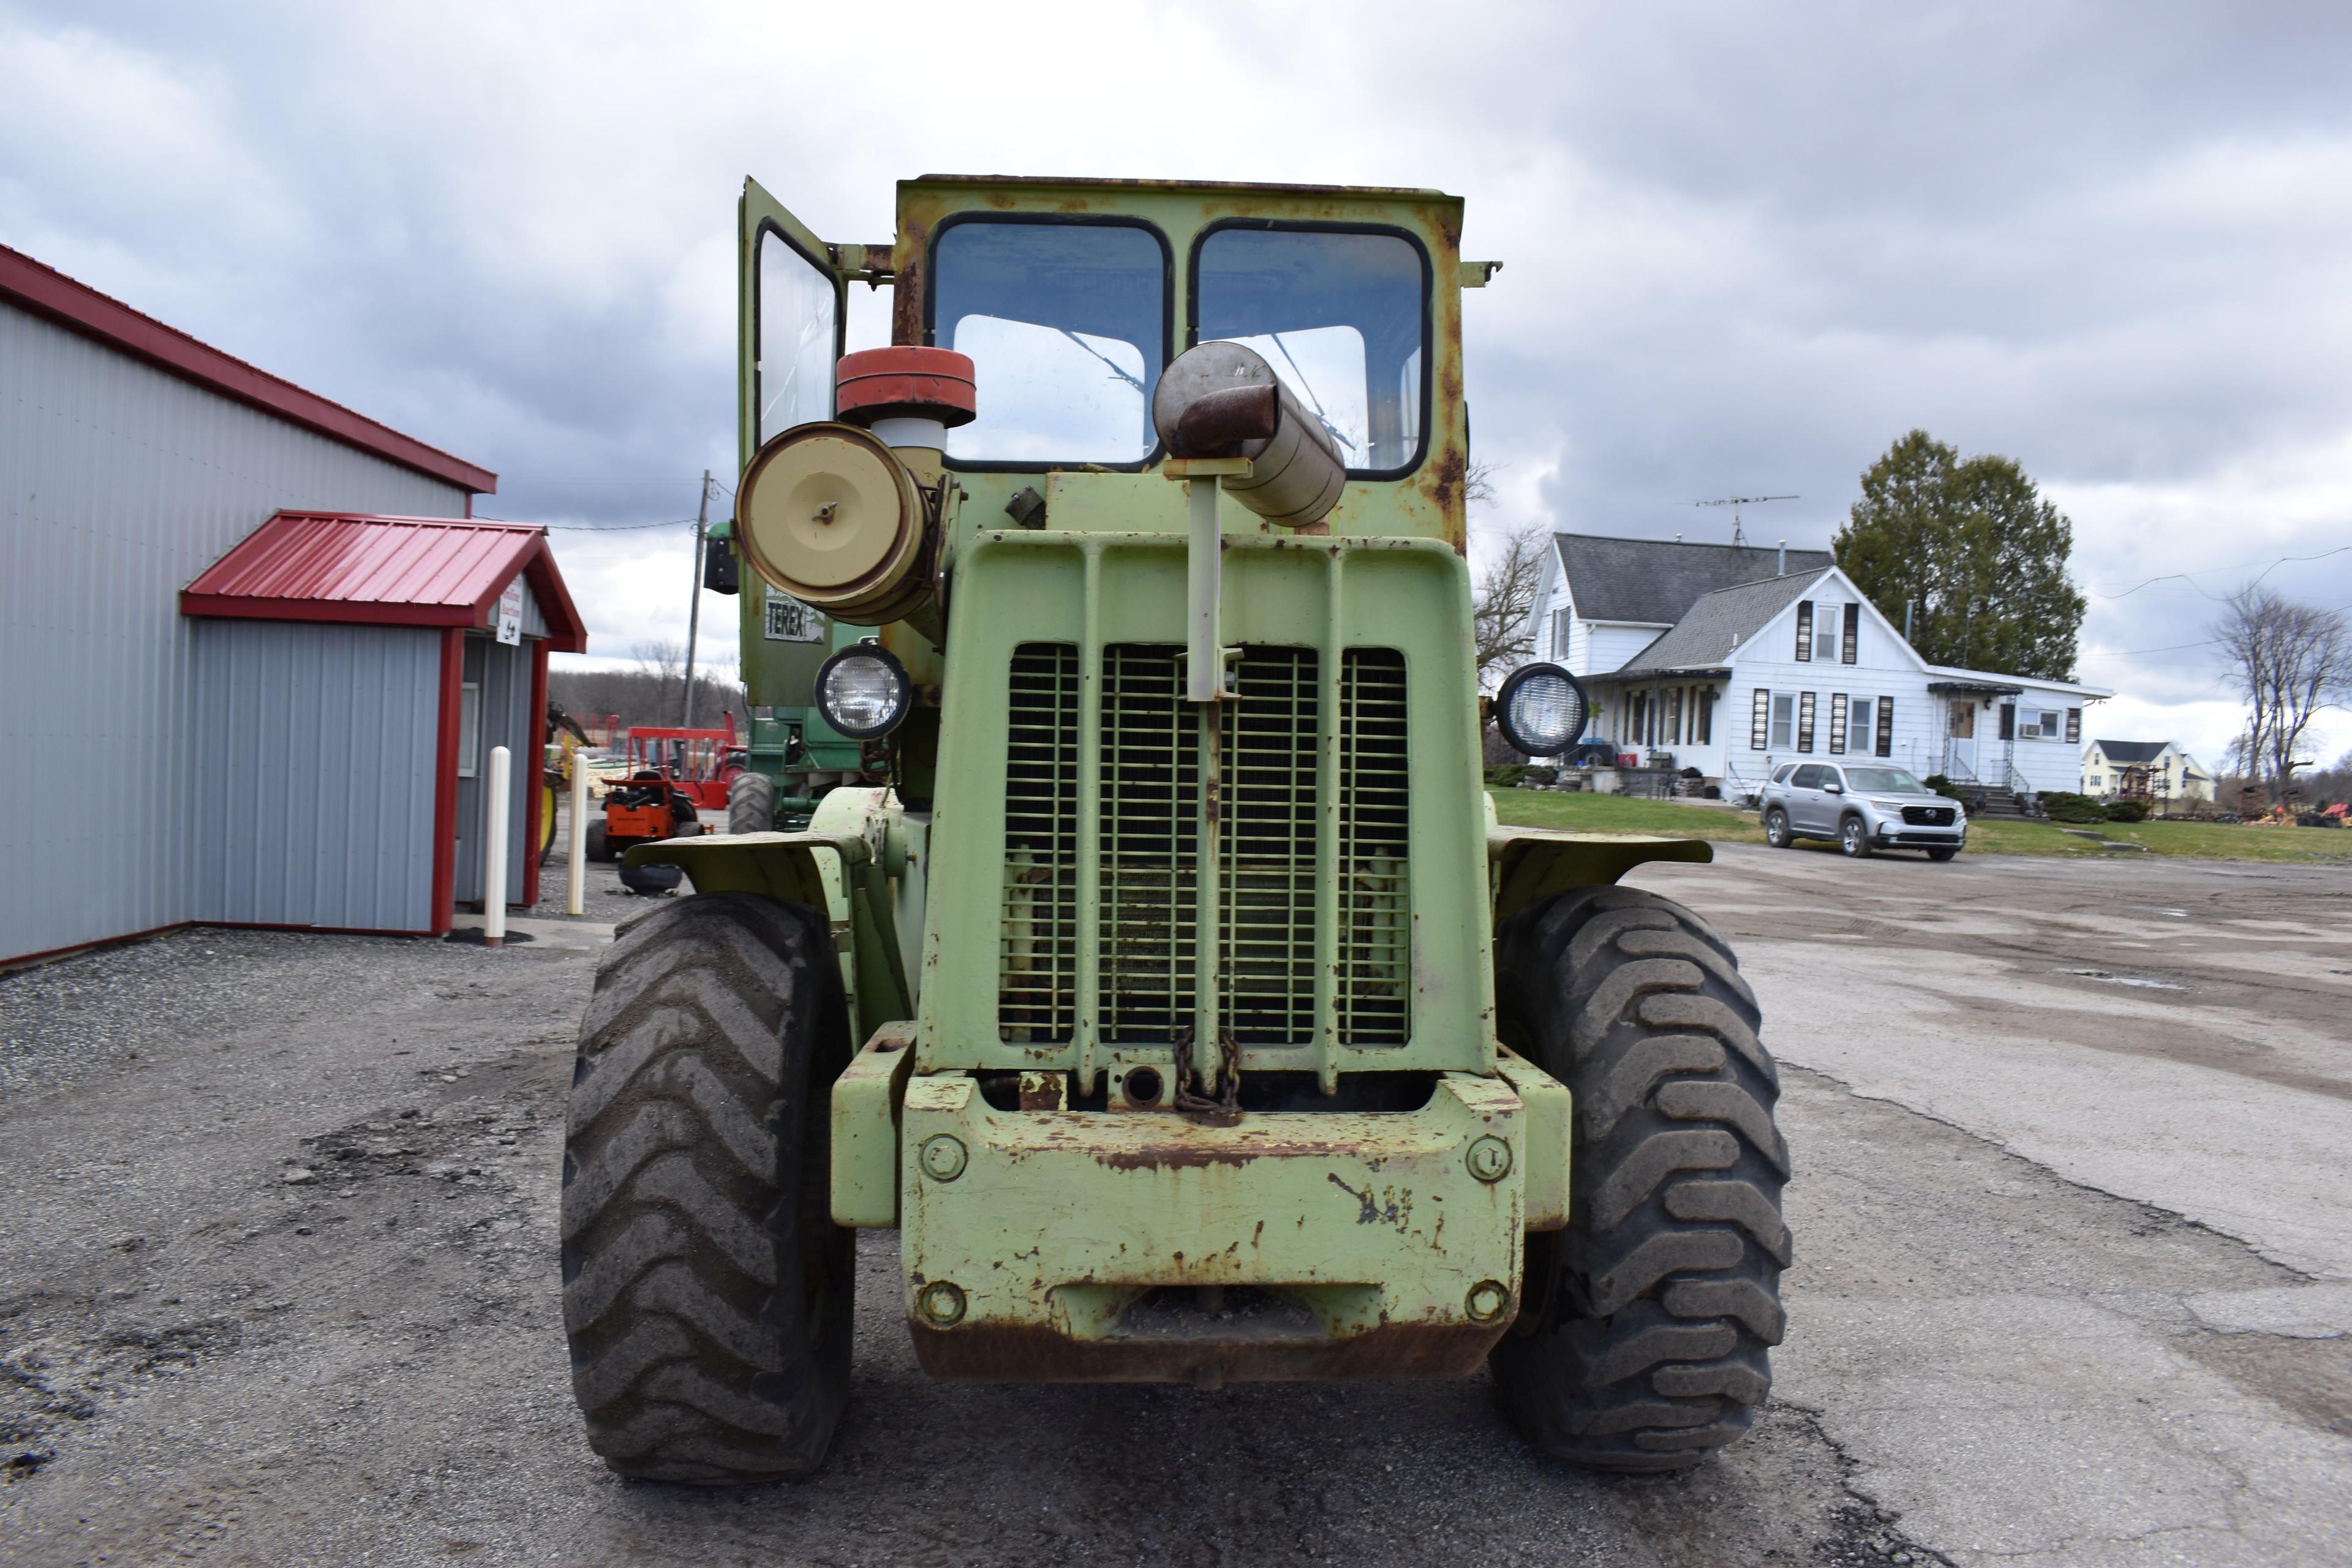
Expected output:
(1858, 721)
(1825, 648)
(2040, 724)
(1784, 721)
(1561, 621)
(469, 728)
(1706, 715)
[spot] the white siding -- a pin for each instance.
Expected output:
(1605, 646)
(122, 484)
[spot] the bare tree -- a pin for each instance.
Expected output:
(663, 659)
(2289, 662)
(1478, 485)
(1503, 607)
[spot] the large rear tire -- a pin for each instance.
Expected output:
(707, 1291)
(1642, 1345)
(751, 804)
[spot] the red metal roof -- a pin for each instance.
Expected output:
(79, 308)
(391, 571)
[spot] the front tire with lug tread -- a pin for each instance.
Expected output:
(1643, 1341)
(707, 1291)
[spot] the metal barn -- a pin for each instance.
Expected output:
(135, 458)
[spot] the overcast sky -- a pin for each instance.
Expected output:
(1747, 246)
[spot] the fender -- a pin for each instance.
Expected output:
(832, 870)
(1524, 864)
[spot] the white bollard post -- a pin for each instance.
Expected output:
(494, 852)
(575, 887)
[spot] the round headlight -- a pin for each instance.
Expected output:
(863, 691)
(1540, 709)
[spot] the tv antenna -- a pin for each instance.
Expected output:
(1735, 504)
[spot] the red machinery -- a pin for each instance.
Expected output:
(673, 776)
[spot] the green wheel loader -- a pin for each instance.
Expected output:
(1163, 978)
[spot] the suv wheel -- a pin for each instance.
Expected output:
(1940, 855)
(1776, 828)
(1853, 838)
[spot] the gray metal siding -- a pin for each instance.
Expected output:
(119, 483)
(314, 774)
(534, 621)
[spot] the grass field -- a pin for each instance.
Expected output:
(2194, 840)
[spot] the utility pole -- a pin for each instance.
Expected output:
(694, 604)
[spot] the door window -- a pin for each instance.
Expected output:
(1807, 777)
(1066, 325)
(469, 728)
(799, 331)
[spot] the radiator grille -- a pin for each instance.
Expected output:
(1375, 930)
(1038, 991)
(1151, 790)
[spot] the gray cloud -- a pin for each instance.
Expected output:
(1747, 246)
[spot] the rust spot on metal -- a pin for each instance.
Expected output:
(1446, 478)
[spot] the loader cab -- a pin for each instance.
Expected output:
(1071, 296)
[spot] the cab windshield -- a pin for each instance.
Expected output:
(1066, 327)
(1339, 316)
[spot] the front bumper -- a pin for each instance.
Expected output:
(1160, 1248)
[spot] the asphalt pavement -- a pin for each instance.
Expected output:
(2073, 1277)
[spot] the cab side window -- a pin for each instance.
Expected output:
(1807, 777)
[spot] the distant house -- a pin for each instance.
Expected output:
(2144, 770)
(1734, 659)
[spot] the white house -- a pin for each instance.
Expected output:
(1760, 665)
(2144, 770)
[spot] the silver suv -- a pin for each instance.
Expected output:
(1860, 806)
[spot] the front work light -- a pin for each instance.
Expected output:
(1541, 710)
(863, 691)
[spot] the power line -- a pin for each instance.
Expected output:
(2188, 576)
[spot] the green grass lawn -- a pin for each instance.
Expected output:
(2195, 840)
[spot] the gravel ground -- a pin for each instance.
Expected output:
(277, 1285)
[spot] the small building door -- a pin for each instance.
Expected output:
(493, 709)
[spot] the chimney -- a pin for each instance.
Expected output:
(1783, 569)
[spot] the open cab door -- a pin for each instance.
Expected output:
(791, 324)
(791, 312)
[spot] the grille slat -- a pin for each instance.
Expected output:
(1267, 870)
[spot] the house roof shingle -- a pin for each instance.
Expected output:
(1655, 580)
(1718, 622)
(2132, 750)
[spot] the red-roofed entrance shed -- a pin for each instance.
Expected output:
(353, 673)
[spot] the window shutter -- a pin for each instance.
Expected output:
(1805, 721)
(1760, 722)
(2073, 726)
(1805, 631)
(1837, 723)
(1886, 726)
(2009, 721)
(1852, 649)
